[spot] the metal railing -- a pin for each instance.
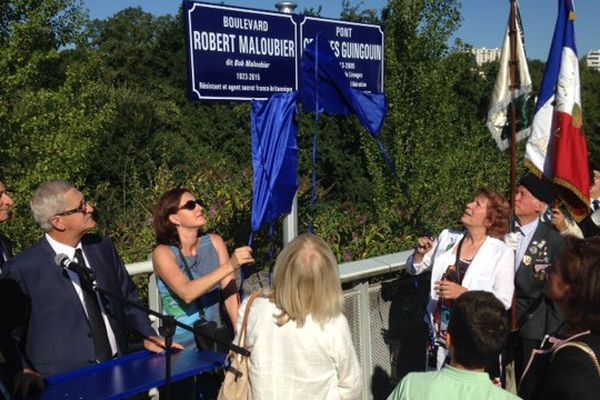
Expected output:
(377, 314)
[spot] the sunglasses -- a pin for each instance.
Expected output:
(190, 205)
(81, 209)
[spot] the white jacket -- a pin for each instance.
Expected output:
(492, 269)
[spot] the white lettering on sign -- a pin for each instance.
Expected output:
(343, 31)
(265, 46)
(211, 41)
(361, 51)
(245, 23)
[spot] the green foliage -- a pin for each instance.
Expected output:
(590, 87)
(353, 13)
(312, 11)
(436, 144)
(104, 104)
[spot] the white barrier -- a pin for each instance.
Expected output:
(367, 314)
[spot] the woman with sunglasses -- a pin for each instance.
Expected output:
(195, 271)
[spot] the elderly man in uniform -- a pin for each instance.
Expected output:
(538, 246)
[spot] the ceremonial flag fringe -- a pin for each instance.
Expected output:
(557, 147)
(503, 98)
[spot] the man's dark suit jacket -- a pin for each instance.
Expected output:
(546, 317)
(53, 333)
(588, 227)
(5, 247)
(8, 358)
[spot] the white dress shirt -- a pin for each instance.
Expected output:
(61, 248)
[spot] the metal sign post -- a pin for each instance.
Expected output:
(290, 221)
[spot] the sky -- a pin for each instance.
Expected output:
(483, 24)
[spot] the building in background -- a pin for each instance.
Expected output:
(593, 59)
(484, 55)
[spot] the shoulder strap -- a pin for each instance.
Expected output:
(186, 268)
(583, 347)
(253, 296)
(457, 261)
(188, 273)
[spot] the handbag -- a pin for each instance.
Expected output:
(236, 385)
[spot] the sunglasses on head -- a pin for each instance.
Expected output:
(191, 205)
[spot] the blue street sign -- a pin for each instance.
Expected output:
(359, 47)
(244, 54)
(239, 54)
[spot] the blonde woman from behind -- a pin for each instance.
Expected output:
(299, 340)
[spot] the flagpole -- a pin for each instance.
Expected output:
(514, 85)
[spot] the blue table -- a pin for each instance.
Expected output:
(127, 376)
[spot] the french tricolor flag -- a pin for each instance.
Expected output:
(557, 147)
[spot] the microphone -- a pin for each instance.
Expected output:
(63, 261)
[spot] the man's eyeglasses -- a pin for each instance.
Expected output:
(81, 209)
(190, 205)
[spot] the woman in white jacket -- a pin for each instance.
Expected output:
(299, 340)
(473, 259)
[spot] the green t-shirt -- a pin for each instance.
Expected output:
(449, 384)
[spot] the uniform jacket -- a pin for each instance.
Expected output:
(545, 245)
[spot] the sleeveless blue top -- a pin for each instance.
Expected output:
(207, 306)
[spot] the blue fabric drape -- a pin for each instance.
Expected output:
(324, 88)
(274, 157)
(323, 82)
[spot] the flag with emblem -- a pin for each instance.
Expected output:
(504, 97)
(557, 147)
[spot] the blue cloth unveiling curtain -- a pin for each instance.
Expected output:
(324, 88)
(274, 157)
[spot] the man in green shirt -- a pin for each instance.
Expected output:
(478, 328)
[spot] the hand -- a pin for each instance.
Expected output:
(241, 256)
(558, 220)
(424, 244)
(448, 290)
(28, 381)
(156, 344)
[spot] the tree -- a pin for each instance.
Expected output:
(436, 134)
(50, 110)
(590, 87)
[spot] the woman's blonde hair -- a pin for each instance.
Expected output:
(306, 282)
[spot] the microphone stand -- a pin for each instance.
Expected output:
(167, 330)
